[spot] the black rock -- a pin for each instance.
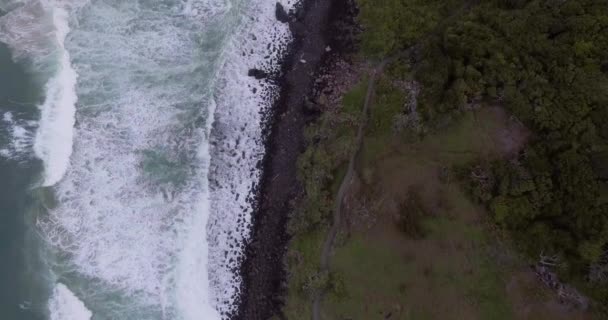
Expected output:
(298, 29)
(310, 107)
(281, 14)
(257, 73)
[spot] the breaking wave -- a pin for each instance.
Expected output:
(151, 136)
(66, 306)
(53, 144)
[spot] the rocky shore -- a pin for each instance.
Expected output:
(322, 31)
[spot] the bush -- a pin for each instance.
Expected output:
(411, 214)
(545, 61)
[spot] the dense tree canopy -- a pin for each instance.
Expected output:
(547, 62)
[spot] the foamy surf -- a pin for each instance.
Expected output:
(137, 229)
(20, 135)
(36, 31)
(133, 206)
(237, 146)
(53, 144)
(64, 305)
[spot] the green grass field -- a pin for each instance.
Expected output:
(458, 268)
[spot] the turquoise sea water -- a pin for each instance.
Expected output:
(128, 150)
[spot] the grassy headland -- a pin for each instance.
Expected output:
(485, 149)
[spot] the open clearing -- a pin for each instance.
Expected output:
(457, 267)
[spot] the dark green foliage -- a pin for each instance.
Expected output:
(547, 62)
(389, 102)
(315, 167)
(544, 61)
(330, 140)
(392, 25)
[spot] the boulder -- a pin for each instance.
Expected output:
(281, 14)
(257, 73)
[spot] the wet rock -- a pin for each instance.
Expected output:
(257, 73)
(281, 14)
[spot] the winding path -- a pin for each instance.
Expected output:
(346, 182)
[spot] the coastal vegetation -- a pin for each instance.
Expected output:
(485, 153)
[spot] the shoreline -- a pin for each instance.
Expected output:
(263, 271)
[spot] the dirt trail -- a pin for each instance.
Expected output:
(344, 186)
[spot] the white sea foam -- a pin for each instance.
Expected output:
(64, 305)
(55, 134)
(237, 145)
(20, 137)
(27, 29)
(7, 117)
(133, 206)
(138, 230)
(192, 286)
(36, 31)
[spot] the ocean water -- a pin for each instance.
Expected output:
(130, 143)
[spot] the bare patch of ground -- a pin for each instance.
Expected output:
(532, 301)
(457, 269)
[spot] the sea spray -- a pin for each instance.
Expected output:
(130, 224)
(21, 136)
(237, 145)
(27, 28)
(53, 144)
(138, 231)
(66, 306)
(36, 32)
